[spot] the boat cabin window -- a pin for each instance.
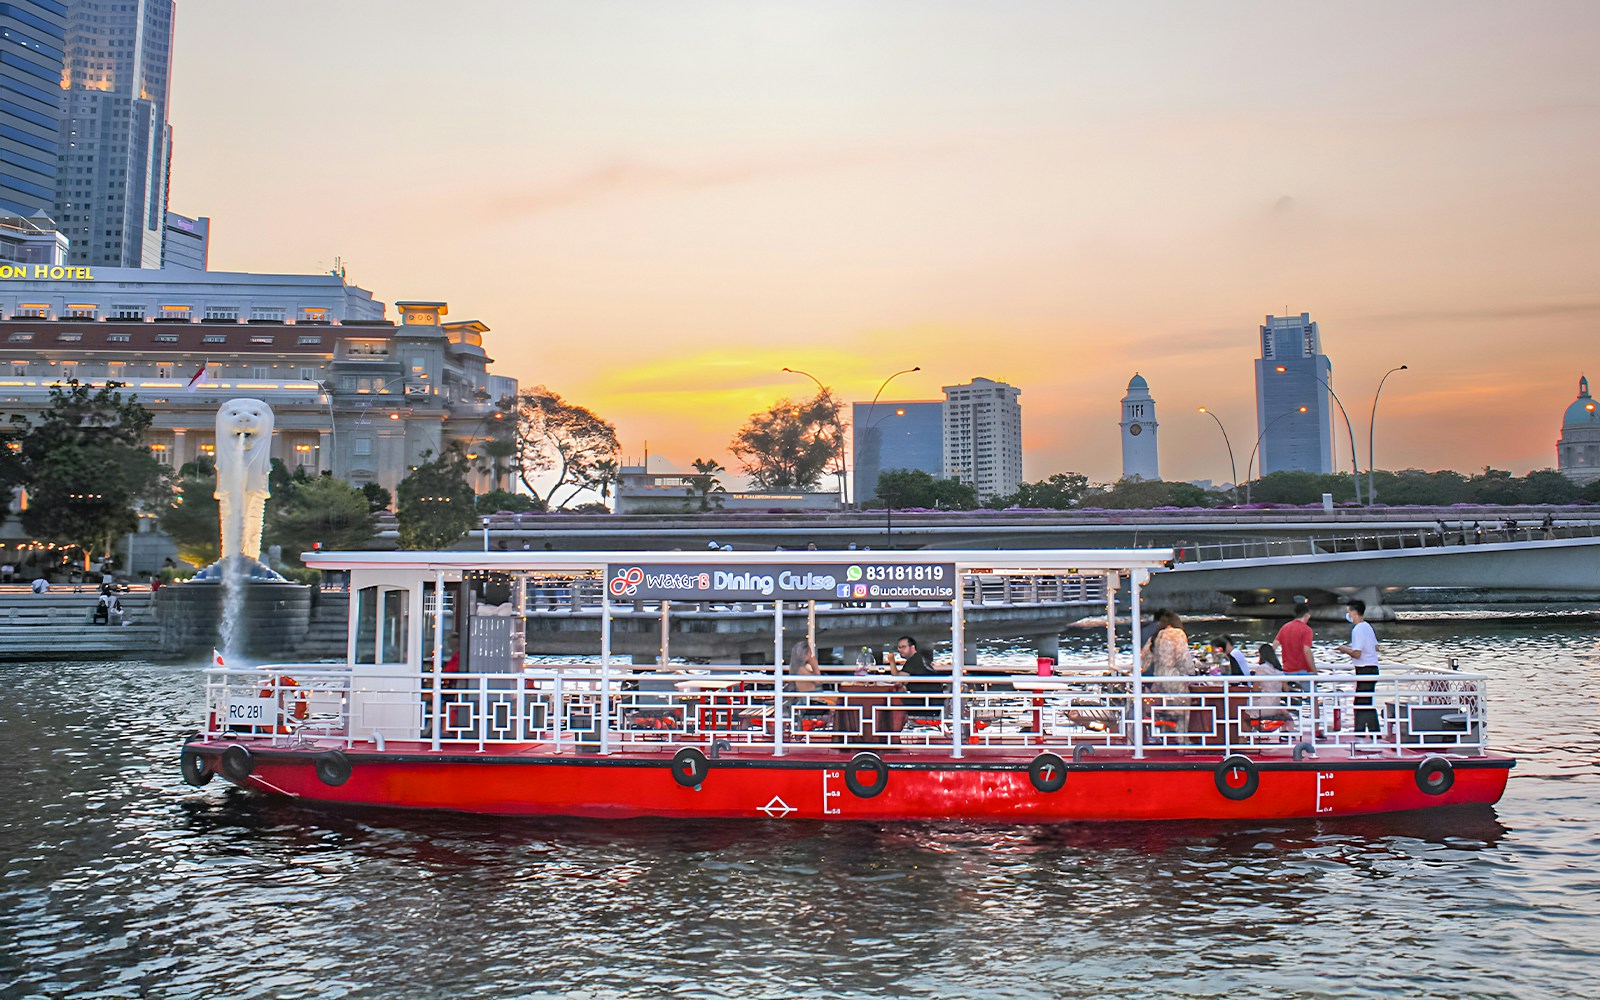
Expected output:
(382, 624)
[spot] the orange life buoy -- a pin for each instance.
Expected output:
(291, 704)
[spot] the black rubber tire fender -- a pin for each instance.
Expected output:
(690, 767)
(333, 768)
(237, 764)
(1230, 764)
(196, 769)
(1435, 775)
(866, 761)
(1048, 772)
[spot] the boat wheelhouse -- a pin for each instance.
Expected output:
(440, 704)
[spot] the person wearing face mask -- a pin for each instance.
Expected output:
(1363, 653)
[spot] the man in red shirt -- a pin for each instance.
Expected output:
(1295, 641)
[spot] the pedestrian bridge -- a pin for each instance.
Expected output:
(1562, 559)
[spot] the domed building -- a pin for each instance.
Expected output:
(1578, 451)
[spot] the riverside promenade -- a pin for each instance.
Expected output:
(59, 625)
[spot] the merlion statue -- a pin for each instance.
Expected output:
(244, 447)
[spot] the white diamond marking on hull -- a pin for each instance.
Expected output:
(777, 808)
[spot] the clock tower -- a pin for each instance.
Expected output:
(1139, 459)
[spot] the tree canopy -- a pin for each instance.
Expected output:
(85, 466)
(791, 445)
(915, 488)
(320, 510)
(552, 435)
(436, 504)
(191, 518)
(1061, 491)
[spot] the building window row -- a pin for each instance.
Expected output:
(315, 315)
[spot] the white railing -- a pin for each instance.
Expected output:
(578, 707)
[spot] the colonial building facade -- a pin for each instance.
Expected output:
(354, 394)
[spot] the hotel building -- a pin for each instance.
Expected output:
(353, 393)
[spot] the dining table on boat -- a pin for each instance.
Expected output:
(877, 698)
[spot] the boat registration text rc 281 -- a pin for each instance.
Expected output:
(782, 582)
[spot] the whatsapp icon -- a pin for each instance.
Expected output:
(853, 573)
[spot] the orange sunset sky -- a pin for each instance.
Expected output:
(656, 206)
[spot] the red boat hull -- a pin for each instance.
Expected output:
(533, 781)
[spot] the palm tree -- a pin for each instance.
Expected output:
(603, 475)
(705, 481)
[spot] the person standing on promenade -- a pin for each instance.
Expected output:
(1363, 652)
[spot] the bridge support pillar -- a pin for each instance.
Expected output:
(1372, 597)
(1049, 645)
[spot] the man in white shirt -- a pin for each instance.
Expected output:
(1363, 653)
(1233, 660)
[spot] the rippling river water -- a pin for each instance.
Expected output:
(119, 880)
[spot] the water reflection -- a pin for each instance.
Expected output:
(120, 880)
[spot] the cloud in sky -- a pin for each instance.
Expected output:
(657, 208)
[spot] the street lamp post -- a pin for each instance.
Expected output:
(872, 422)
(838, 428)
(1233, 469)
(1262, 437)
(333, 430)
(1355, 470)
(1372, 422)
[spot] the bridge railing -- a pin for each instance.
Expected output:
(575, 706)
(1442, 536)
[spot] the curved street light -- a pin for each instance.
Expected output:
(871, 409)
(822, 390)
(1355, 470)
(1371, 430)
(1262, 437)
(333, 430)
(1233, 469)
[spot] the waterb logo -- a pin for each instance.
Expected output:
(853, 573)
(626, 583)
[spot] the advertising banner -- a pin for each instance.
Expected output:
(908, 581)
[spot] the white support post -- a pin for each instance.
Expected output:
(958, 639)
(777, 679)
(1136, 580)
(666, 635)
(1112, 581)
(438, 654)
(601, 729)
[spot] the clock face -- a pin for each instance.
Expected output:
(1136, 430)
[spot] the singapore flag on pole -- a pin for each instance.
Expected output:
(200, 377)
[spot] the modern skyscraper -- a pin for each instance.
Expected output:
(983, 436)
(1293, 372)
(32, 45)
(187, 242)
(1139, 454)
(1578, 449)
(111, 199)
(891, 434)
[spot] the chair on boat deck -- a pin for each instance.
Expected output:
(650, 708)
